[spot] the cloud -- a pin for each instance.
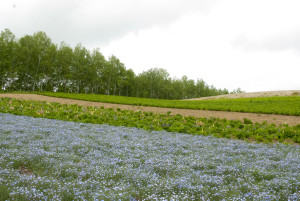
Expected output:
(290, 41)
(266, 25)
(233, 43)
(95, 21)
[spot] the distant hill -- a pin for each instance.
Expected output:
(252, 95)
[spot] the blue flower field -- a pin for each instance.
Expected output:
(44, 159)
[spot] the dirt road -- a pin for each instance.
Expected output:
(277, 119)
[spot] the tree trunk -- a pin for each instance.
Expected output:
(115, 87)
(36, 74)
(33, 87)
(2, 83)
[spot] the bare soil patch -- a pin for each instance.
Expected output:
(252, 95)
(270, 118)
(24, 170)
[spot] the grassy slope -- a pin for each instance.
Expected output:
(267, 105)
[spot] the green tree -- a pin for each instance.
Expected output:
(48, 65)
(114, 74)
(7, 59)
(237, 91)
(96, 72)
(41, 63)
(81, 61)
(129, 83)
(152, 82)
(26, 63)
(33, 60)
(62, 71)
(34, 63)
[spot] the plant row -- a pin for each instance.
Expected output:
(223, 128)
(268, 105)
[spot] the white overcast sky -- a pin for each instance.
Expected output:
(252, 44)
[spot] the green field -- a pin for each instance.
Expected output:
(289, 105)
(100, 154)
(233, 129)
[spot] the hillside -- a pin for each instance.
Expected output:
(252, 95)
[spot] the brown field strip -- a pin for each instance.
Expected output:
(270, 118)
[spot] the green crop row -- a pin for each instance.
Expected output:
(233, 129)
(268, 105)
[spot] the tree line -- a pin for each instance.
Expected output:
(35, 63)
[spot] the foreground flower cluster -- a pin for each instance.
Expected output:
(43, 159)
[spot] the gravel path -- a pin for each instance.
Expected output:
(270, 118)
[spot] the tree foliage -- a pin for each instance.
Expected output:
(34, 63)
